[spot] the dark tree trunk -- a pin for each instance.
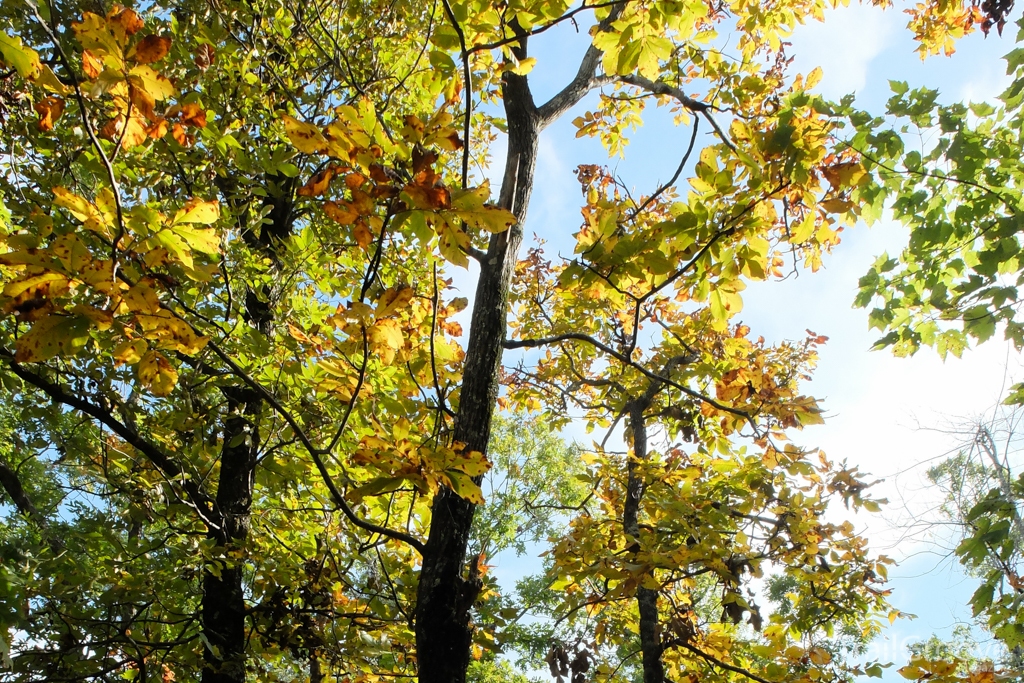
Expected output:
(646, 598)
(223, 605)
(223, 599)
(446, 594)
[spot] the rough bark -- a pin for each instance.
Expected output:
(646, 598)
(446, 594)
(223, 603)
(223, 598)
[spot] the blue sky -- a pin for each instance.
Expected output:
(879, 407)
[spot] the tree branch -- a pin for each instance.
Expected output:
(625, 360)
(585, 80)
(661, 88)
(172, 470)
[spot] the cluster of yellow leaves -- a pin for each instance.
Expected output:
(68, 288)
(399, 461)
(117, 66)
(400, 174)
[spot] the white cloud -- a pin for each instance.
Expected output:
(844, 46)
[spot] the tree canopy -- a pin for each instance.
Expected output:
(249, 435)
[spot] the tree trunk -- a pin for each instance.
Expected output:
(223, 605)
(445, 594)
(646, 598)
(223, 599)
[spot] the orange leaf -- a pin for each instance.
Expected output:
(91, 64)
(151, 49)
(428, 197)
(193, 114)
(158, 129)
(49, 110)
(142, 101)
(362, 235)
(318, 184)
(179, 134)
(342, 213)
(126, 22)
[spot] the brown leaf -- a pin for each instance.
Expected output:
(422, 159)
(49, 110)
(318, 184)
(151, 49)
(205, 56)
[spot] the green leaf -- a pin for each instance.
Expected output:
(23, 59)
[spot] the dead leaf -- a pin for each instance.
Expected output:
(151, 49)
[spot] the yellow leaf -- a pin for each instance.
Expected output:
(142, 298)
(48, 80)
(387, 332)
(157, 373)
(130, 352)
(157, 85)
(464, 487)
(50, 336)
(94, 35)
(198, 211)
(393, 300)
(82, 209)
(24, 59)
(305, 137)
(101, 318)
(34, 282)
(813, 78)
(170, 332)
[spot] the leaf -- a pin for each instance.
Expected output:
(51, 336)
(49, 110)
(198, 211)
(130, 352)
(306, 138)
(82, 209)
(464, 487)
(22, 58)
(150, 49)
(142, 298)
(170, 332)
(157, 373)
(205, 241)
(393, 300)
(158, 86)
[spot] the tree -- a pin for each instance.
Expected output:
(982, 503)
(227, 230)
(957, 281)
